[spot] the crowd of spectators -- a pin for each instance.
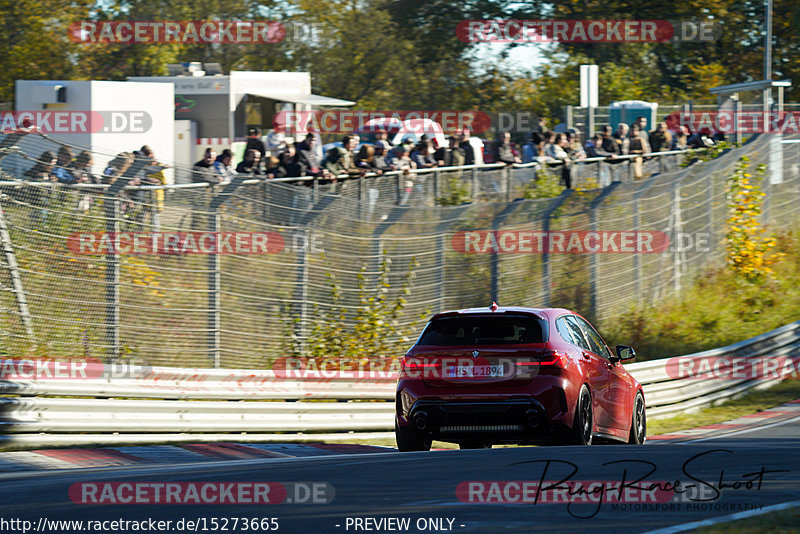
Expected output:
(139, 166)
(304, 158)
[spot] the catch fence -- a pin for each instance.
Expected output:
(307, 251)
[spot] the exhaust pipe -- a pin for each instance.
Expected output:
(532, 419)
(421, 420)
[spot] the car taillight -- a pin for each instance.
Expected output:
(554, 358)
(550, 358)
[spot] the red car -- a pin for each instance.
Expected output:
(482, 376)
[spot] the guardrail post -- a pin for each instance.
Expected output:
(475, 186)
(215, 271)
(437, 176)
(508, 175)
(113, 216)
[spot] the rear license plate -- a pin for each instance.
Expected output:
(476, 371)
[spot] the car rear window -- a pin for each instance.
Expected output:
(485, 330)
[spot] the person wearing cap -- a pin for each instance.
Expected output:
(254, 142)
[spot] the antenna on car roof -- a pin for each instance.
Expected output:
(494, 306)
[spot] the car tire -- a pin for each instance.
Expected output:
(474, 444)
(638, 434)
(584, 419)
(408, 440)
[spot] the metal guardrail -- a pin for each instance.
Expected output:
(49, 405)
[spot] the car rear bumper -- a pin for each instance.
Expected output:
(511, 420)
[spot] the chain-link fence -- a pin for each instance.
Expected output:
(231, 275)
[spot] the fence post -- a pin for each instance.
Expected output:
(475, 186)
(13, 272)
(546, 267)
(215, 270)
(265, 200)
(677, 240)
(595, 258)
(637, 259)
(301, 330)
(113, 216)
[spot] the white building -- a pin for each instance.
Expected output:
(216, 110)
(103, 117)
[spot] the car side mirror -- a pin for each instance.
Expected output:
(625, 353)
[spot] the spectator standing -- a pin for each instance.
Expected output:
(421, 155)
(381, 138)
(451, 155)
(379, 160)
(289, 164)
(254, 142)
(82, 174)
(466, 146)
(660, 138)
(251, 164)
(62, 171)
(341, 160)
(306, 151)
(558, 152)
(36, 195)
(608, 144)
(622, 139)
(204, 171)
(637, 146)
(679, 140)
(366, 159)
(501, 150)
(223, 168)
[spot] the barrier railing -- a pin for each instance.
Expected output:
(186, 397)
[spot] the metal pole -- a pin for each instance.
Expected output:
(637, 259)
(16, 279)
(214, 279)
(737, 112)
(112, 280)
(677, 240)
(215, 271)
(113, 217)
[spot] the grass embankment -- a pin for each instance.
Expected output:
(717, 310)
(783, 522)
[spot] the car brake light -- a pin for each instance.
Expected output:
(549, 358)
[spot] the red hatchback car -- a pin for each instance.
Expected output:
(482, 376)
